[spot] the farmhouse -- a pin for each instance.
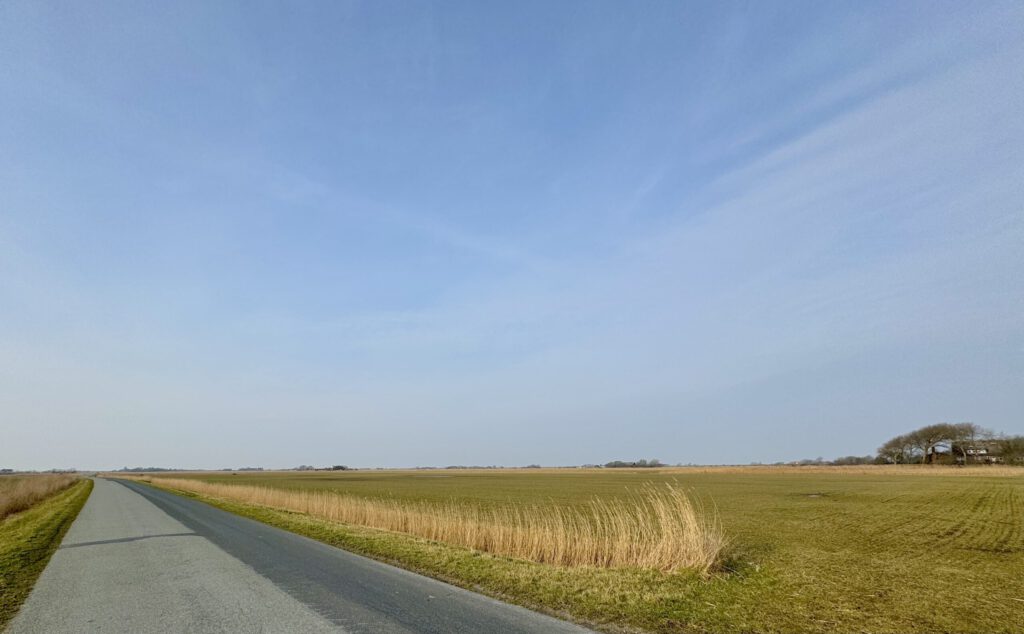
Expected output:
(981, 452)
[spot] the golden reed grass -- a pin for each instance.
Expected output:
(18, 493)
(658, 527)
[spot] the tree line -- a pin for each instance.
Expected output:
(952, 443)
(653, 463)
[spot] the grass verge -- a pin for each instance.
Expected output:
(28, 539)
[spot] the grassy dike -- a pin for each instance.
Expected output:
(29, 538)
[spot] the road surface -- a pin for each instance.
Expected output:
(142, 560)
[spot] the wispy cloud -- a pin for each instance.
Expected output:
(709, 255)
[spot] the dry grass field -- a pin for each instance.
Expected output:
(18, 493)
(656, 527)
(872, 549)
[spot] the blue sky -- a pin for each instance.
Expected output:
(408, 233)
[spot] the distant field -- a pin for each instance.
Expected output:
(911, 549)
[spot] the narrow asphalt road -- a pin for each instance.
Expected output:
(142, 560)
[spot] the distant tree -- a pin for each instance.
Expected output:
(643, 464)
(930, 437)
(853, 460)
(892, 450)
(1011, 448)
(899, 450)
(339, 467)
(965, 436)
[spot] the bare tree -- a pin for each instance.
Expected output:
(930, 437)
(965, 436)
(899, 450)
(1011, 448)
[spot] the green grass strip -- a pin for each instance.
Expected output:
(28, 540)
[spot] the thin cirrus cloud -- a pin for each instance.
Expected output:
(801, 232)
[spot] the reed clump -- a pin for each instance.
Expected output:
(18, 493)
(656, 527)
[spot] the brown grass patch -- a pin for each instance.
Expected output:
(656, 527)
(18, 493)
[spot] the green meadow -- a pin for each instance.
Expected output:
(873, 549)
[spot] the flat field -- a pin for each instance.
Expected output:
(873, 549)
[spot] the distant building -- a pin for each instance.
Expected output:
(981, 452)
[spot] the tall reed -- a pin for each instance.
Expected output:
(660, 527)
(18, 493)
